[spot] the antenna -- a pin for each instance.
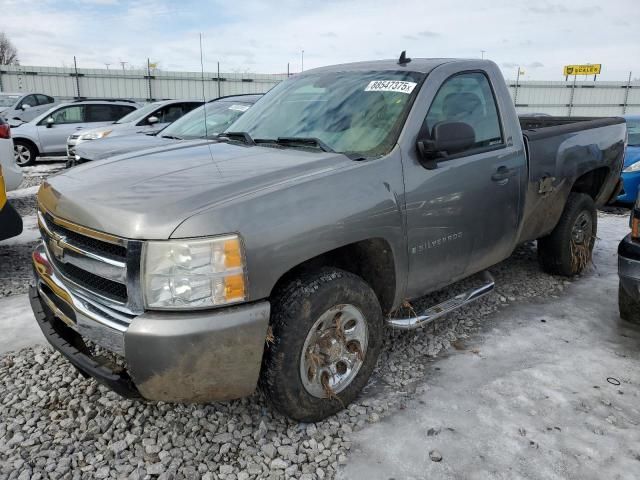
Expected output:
(403, 58)
(204, 100)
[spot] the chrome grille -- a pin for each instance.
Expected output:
(102, 267)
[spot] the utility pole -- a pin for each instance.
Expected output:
(302, 61)
(75, 67)
(218, 79)
(573, 91)
(515, 94)
(107, 65)
(123, 64)
(626, 95)
(149, 78)
(482, 52)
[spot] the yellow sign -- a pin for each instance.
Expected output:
(582, 69)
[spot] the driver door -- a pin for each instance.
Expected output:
(461, 217)
(66, 120)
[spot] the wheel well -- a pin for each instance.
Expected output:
(371, 259)
(30, 142)
(591, 182)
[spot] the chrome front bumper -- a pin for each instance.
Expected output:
(170, 356)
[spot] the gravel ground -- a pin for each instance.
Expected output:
(56, 424)
(35, 174)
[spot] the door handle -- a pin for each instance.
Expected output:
(502, 174)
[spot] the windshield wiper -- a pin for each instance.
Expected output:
(305, 142)
(243, 137)
(172, 137)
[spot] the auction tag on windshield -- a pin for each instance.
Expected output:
(391, 86)
(240, 108)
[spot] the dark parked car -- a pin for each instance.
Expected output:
(203, 123)
(629, 269)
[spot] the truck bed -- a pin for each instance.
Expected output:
(538, 127)
(560, 152)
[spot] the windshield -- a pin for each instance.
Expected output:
(353, 112)
(139, 113)
(8, 100)
(633, 130)
(217, 115)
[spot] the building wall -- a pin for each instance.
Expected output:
(133, 84)
(580, 98)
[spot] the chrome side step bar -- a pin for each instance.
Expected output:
(445, 307)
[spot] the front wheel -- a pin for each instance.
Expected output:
(24, 153)
(327, 335)
(568, 248)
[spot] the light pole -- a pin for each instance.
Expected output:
(482, 52)
(302, 61)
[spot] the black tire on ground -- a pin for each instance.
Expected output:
(628, 306)
(567, 249)
(24, 153)
(295, 309)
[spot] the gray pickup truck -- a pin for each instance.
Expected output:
(277, 256)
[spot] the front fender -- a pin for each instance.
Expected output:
(287, 225)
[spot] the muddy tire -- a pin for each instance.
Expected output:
(327, 330)
(628, 306)
(24, 153)
(568, 248)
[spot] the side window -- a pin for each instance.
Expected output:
(99, 113)
(467, 98)
(71, 114)
(119, 111)
(28, 100)
(44, 99)
(168, 114)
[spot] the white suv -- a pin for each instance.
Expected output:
(11, 173)
(46, 134)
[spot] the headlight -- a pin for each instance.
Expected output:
(634, 167)
(94, 135)
(193, 273)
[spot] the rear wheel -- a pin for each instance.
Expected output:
(629, 307)
(568, 248)
(327, 335)
(24, 153)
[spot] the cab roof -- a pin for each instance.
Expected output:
(421, 65)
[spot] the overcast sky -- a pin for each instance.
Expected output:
(261, 37)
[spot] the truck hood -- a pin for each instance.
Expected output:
(147, 196)
(110, 146)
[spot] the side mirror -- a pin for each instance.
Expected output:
(152, 120)
(25, 106)
(50, 122)
(447, 138)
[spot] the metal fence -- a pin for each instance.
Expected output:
(573, 98)
(141, 85)
(576, 98)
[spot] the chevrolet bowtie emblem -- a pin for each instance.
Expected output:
(56, 249)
